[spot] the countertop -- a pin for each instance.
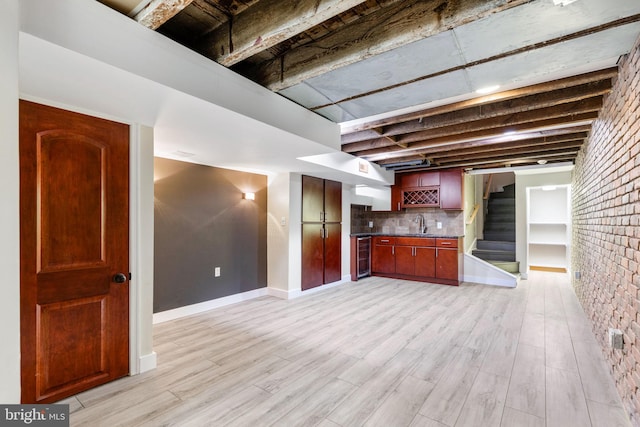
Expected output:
(442, 236)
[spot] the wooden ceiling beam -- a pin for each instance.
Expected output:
(386, 29)
(570, 146)
(504, 123)
(553, 85)
(266, 24)
(464, 150)
(510, 160)
(490, 110)
(157, 12)
(493, 127)
(490, 135)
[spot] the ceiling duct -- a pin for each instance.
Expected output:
(409, 164)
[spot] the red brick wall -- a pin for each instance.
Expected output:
(606, 228)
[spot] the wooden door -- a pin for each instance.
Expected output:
(312, 256)
(74, 244)
(312, 199)
(332, 253)
(332, 201)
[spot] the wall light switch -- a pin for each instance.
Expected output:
(283, 221)
(439, 225)
(216, 272)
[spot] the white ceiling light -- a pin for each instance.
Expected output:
(487, 89)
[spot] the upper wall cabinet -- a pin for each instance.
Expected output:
(440, 189)
(321, 200)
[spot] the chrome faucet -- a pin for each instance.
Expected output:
(421, 223)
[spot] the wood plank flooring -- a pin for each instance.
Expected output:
(379, 352)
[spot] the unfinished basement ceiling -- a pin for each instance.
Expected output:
(400, 76)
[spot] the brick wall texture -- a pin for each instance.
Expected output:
(606, 228)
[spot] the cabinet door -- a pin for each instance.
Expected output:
(312, 256)
(425, 262)
(383, 259)
(396, 198)
(447, 264)
(312, 199)
(409, 180)
(332, 201)
(332, 253)
(405, 261)
(451, 189)
(429, 179)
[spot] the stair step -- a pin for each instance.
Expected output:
(494, 255)
(496, 245)
(500, 226)
(509, 267)
(508, 191)
(509, 236)
(504, 201)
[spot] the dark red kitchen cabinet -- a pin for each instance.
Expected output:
(383, 258)
(425, 262)
(447, 259)
(312, 255)
(405, 260)
(321, 232)
(451, 189)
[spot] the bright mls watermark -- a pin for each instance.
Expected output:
(54, 415)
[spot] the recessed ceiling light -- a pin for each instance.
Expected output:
(487, 89)
(562, 2)
(542, 162)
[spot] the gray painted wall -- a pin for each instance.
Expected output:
(202, 222)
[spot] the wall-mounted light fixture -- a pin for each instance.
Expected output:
(249, 196)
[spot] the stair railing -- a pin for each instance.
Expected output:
(472, 217)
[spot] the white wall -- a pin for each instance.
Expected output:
(346, 230)
(9, 205)
(470, 202)
(525, 179)
(295, 233)
(278, 234)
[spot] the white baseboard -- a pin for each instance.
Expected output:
(295, 293)
(148, 362)
(506, 282)
(176, 313)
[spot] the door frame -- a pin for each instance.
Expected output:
(142, 358)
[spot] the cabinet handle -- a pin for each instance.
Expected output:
(413, 251)
(321, 216)
(436, 252)
(398, 205)
(445, 243)
(393, 250)
(322, 233)
(326, 233)
(384, 241)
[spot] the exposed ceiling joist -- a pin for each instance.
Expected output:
(266, 24)
(157, 12)
(388, 28)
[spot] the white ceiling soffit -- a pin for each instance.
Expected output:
(495, 35)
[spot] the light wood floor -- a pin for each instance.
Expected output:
(378, 352)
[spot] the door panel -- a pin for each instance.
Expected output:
(447, 264)
(312, 199)
(425, 262)
(312, 256)
(74, 234)
(405, 261)
(332, 253)
(333, 201)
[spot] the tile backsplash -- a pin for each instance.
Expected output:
(404, 222)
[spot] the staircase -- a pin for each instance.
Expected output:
(499, 244)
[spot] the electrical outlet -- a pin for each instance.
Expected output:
(370, 224)
(283, 221)
(216, 272)
(439, 225)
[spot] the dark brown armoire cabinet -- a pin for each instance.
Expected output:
(321, 231)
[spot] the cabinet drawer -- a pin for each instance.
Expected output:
(447, 243)
(415, 241)
(384, 240)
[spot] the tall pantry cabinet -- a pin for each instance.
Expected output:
(321, 231)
